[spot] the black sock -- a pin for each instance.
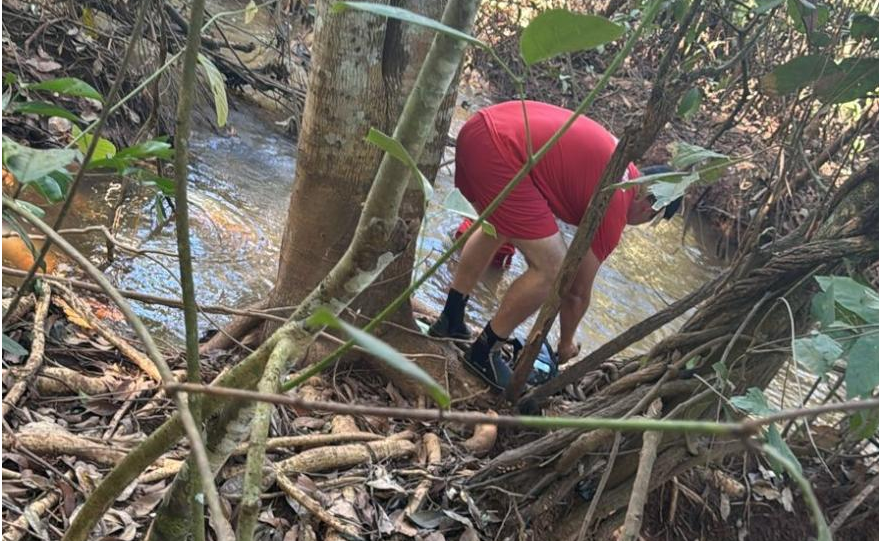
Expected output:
(484, 342)
(454, 308)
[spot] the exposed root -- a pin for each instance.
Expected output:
(345, 456)
(35, 359)
(641, 486)
(483, 438)
(433, 457)
(18, 528)
(290, 489)
(59, 380)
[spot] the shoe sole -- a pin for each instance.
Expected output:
(458, 336)
(476, 372)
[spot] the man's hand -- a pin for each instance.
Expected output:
(567, 351)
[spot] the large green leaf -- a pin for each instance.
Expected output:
(457, 203)
(69, 86)
(807, 17)
(690, 102)
(817, 353)
(32, 164)
(685, 155)
(854, 78)
(217, 82)
(557, 31)
(853, 296)
(863, 424)
(385, 353)
(824, 307)
(408, 16)
(44, 109)
(13, 347)
(153, 148)
(753, 402)
(104, 149)
(665, 192)
(862, 373)
(797, 73)
(864, 26)
(395, 149)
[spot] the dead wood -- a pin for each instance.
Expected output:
(35, 358)
(483, 438)
(60, 380)
(348, 532)
(641, 485)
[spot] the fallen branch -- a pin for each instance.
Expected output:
(853, 504)
(47, 439)
(641, 487)
(483, 438)
(18, 528)
(59, 380)
(345, 456)
(127, 350)
(35, 359)
(311, 440)
(306, 501)
(433, 456)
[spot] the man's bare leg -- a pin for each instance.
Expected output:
(529, 291)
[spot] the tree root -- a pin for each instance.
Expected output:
(641, 485)
(82, 309)
(18, 528)
(44, 438)
(59, 380)
(35, 359)
(306, 501)
(345, 456)
(433, 457)
(483, 438)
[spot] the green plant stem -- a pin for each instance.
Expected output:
(184, 251)
(224, 531)
(256, 453)
(321, 365)
(806, 488)
(90, 151)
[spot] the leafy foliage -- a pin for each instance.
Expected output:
(557, 31)
(457, 203)
(217, 82)
(755, 403)
(395, 149)
(68, 86)
(407, 16)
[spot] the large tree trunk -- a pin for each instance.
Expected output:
(745, 311)
(363, 69)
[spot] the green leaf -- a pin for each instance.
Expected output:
(672, 177)
(49, 188)
(395, 149)
(774, 439)
(690, 102)
(666, 192)
(9, 78)
(30, 207)
(863, 424)
(385, 353)
(679, 9)
(148, 178)
(148, 149)
(44, 109)
(862, 373)
(765, 5)
(217, 82)
(557, 31)
(807, 18)
(250, 12)
(457, 203)
(864, 26)
(31, 164)
(753, 402)
(69, 86)
(817, 353)
(854, 78)
(408, 16)
(104, 149)
(824, 307)
(685, 155)
(853, 296)
(795, 74)
(13, 347)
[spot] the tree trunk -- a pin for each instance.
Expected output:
(364, 67)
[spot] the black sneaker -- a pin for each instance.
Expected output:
(495, 370)
(442, 328)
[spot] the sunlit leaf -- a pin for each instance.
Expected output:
(217, 82)
(44, 109)
(408, 16)
(31, 164)
(753, 402)
(395, 149)
(104, 149)
(862, 372)
(685, 155)
(148, 149)
(457, 203)
(817, 353)
(250, 12)
(69, 86)
(690, 102)
(385, 353)
(13, 347)
(557, 31)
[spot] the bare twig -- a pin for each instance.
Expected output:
(853, 504)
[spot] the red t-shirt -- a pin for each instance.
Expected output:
(569, 173)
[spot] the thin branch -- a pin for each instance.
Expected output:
(35, 358)
(641, 486)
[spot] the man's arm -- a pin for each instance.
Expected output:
(575, 303)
